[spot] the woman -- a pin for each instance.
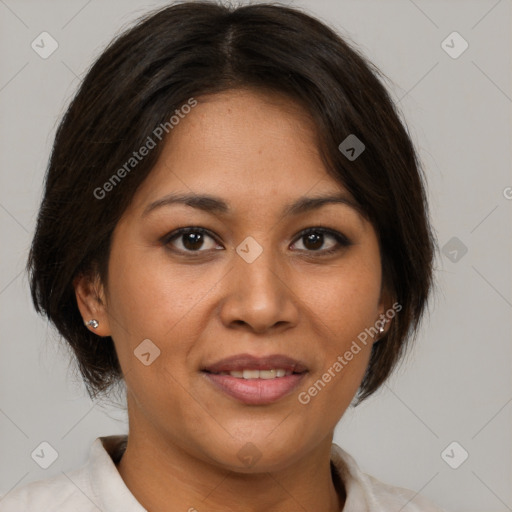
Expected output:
(234, 225)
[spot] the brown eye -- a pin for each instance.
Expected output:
(190, 240)
(314, 239)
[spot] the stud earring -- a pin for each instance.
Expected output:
(92, 323)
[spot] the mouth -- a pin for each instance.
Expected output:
(248, 374)
(255, 380)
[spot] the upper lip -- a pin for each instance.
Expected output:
(249, 362)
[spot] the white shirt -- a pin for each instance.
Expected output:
(98, 486)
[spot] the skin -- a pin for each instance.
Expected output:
(257, 152)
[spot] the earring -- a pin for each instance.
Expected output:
(381, 328)
(92, 323)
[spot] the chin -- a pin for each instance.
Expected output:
(258, 454)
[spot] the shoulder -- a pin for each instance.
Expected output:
(62, 492)
(95, 486)
(367, 493)
(390, 496)
(85, 489)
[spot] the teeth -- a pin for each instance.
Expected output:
(259, 374)
(251, 374)
(268, 374)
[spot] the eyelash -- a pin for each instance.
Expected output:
(342, 240)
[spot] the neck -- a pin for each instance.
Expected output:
(164, 477)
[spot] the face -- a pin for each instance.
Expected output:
(253, 289)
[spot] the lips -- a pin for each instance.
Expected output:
(256, 380)
(248, 362)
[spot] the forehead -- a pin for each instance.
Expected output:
(243, 144)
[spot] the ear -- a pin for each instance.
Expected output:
(91, 300)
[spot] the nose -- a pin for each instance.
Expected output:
(259, 296)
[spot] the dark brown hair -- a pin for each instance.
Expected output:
(194, 48)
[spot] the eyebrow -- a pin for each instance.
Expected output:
(216, 205)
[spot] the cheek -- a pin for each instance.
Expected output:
(148, 295)
(149, 299)
(341, 315)
(345, 301)
(344, 307)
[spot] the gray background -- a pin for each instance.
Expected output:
(455, 386)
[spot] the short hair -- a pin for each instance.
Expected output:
(191, 49)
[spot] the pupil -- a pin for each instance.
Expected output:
(193, 241)
(314, 239)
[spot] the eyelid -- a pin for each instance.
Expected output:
(166, 239)
(342, 240)
(337, 235)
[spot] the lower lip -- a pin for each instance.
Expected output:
(256, 391)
